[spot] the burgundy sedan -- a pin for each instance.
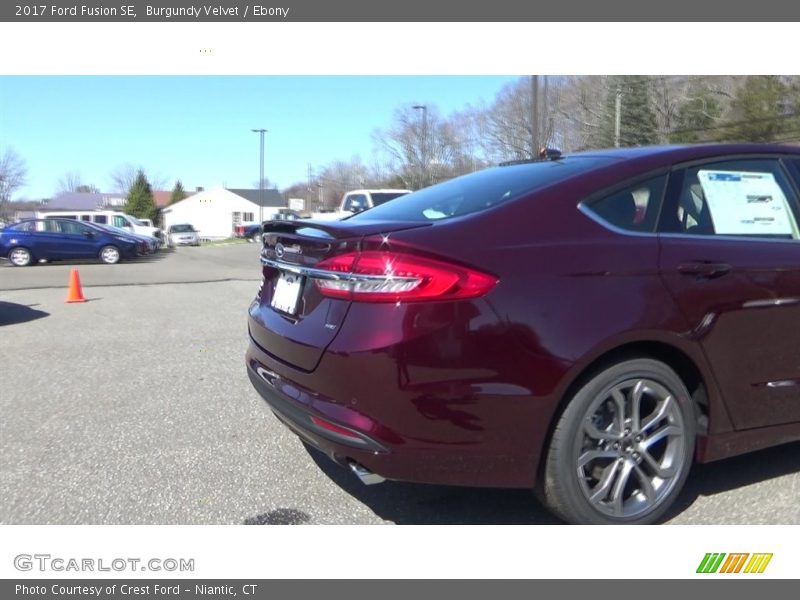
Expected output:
(588, 326)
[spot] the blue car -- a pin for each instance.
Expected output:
(149, 244)
(29, 241)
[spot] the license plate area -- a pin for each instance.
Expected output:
(286, 296)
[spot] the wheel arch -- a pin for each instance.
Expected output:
(712, 416)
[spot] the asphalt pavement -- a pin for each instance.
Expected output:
(134, 408)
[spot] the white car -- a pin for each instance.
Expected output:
(182, 234)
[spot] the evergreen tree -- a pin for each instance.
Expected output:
(637, 119)
(178, 193)
(760, 110)
(140, 199)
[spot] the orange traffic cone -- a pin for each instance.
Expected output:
(75, 294)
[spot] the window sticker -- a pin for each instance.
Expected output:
(746, 203)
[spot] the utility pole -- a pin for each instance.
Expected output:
(545, 121)
(308, 187)
(534, 116)
(617, 117)
(424, 110)
(261, 133)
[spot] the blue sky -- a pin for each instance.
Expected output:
(197, 128)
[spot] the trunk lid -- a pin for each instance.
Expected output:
(291, 319)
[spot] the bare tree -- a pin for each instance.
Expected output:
(506, 126)
(421, 146)
(125, 175)
(71, 182)
(268, 185)
(339, 177)
(13, 173)
(580, 111)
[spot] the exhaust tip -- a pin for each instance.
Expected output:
(366, 476)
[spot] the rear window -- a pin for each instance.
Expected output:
(480, 191)
(634, 207)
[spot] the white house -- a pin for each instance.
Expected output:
(215, 212)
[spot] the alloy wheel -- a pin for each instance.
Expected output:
(631, 452)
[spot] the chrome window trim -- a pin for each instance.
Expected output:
(586, 210)
(681, 236)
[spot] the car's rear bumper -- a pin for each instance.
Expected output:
(466, 450)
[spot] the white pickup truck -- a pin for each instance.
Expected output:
(358, 201)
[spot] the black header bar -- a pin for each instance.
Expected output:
(405, 11)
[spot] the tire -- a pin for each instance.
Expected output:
(20, 257)
(608, 465)
(109, 255)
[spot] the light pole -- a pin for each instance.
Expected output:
(424, 110)
(261, 133)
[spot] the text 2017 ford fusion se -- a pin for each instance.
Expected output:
(587, 325)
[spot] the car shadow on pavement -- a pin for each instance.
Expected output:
(280, 516)
(737, 472)
(408, 503)
(420, 504)
(11, 313)
(160, 255)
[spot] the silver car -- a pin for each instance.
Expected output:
(182, 235)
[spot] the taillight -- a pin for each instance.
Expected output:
(376, 276)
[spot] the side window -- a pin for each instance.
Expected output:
(51, 226)
(72, 228)
(118, 221)
(743, 198)
(634, 208)
(102, 219)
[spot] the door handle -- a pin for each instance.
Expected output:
(703, 269)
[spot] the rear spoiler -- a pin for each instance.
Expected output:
(338, 229)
